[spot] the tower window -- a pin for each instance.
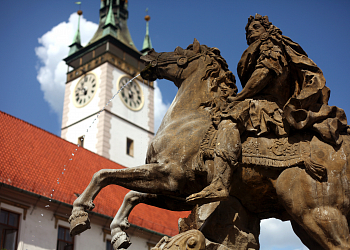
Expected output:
(129, 147)
(81, 141)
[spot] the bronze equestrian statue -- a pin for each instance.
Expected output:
(277, 146)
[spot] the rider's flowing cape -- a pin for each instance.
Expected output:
(308, 107)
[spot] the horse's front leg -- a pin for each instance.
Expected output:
(120, 223)
(149, 178)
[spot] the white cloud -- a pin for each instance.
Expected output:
(160, 107)
(54, 47)
(276, 234)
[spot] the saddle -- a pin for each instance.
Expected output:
(283, 152)
(269, 151)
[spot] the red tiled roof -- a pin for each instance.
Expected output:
(33, 159)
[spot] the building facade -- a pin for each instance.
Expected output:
(41, 174)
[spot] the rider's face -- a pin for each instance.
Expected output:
(255, 29)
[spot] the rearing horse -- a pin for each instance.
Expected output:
(177, 165)
(172, 168)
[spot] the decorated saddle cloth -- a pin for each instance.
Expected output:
(282, 152)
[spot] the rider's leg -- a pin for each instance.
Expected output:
(227, 151)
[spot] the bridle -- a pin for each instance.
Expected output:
(181, 61)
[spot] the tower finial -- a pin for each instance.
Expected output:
(147, 44)
(76, 45)
(110, 27)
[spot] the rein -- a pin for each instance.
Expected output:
(182, 62)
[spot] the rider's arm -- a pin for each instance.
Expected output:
(259, 79)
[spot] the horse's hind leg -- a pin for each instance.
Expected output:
(120, 223)
(149, 178)
(314, 209)
(328, 226)
(304, 237)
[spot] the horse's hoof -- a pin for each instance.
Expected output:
(79, 222)
(121, 241)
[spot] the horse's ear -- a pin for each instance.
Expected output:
(196, 46)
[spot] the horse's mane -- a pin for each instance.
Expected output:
(223, 82)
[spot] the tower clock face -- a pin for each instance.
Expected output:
(131, 95)
(85, 90)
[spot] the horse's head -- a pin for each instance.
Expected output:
(174, 66)
(179, 65)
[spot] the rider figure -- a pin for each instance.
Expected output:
(283, 90)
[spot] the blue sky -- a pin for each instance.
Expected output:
(32, 42)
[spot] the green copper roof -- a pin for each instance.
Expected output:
(147, 44)
(76, 45)
(113, 21)
(109, 27)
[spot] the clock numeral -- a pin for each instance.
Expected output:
(80, 101)
(94, 85)
(77, 99)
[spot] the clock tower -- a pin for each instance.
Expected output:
(123, 130)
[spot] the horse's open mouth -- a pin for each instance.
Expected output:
(149, 73)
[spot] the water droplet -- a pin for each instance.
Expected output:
(72, 154)
(64, 169)
(50, 200)
(53, 190)
(70, 159)
(62, 173)
(42, 214)
(76, 148)
(47, 206)
(39, 221)
(58, 182)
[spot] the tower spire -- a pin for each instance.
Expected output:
(76, 45)
(109, 27)
(147, 44)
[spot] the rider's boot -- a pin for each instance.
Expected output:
(218, 190)
(227, 151)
